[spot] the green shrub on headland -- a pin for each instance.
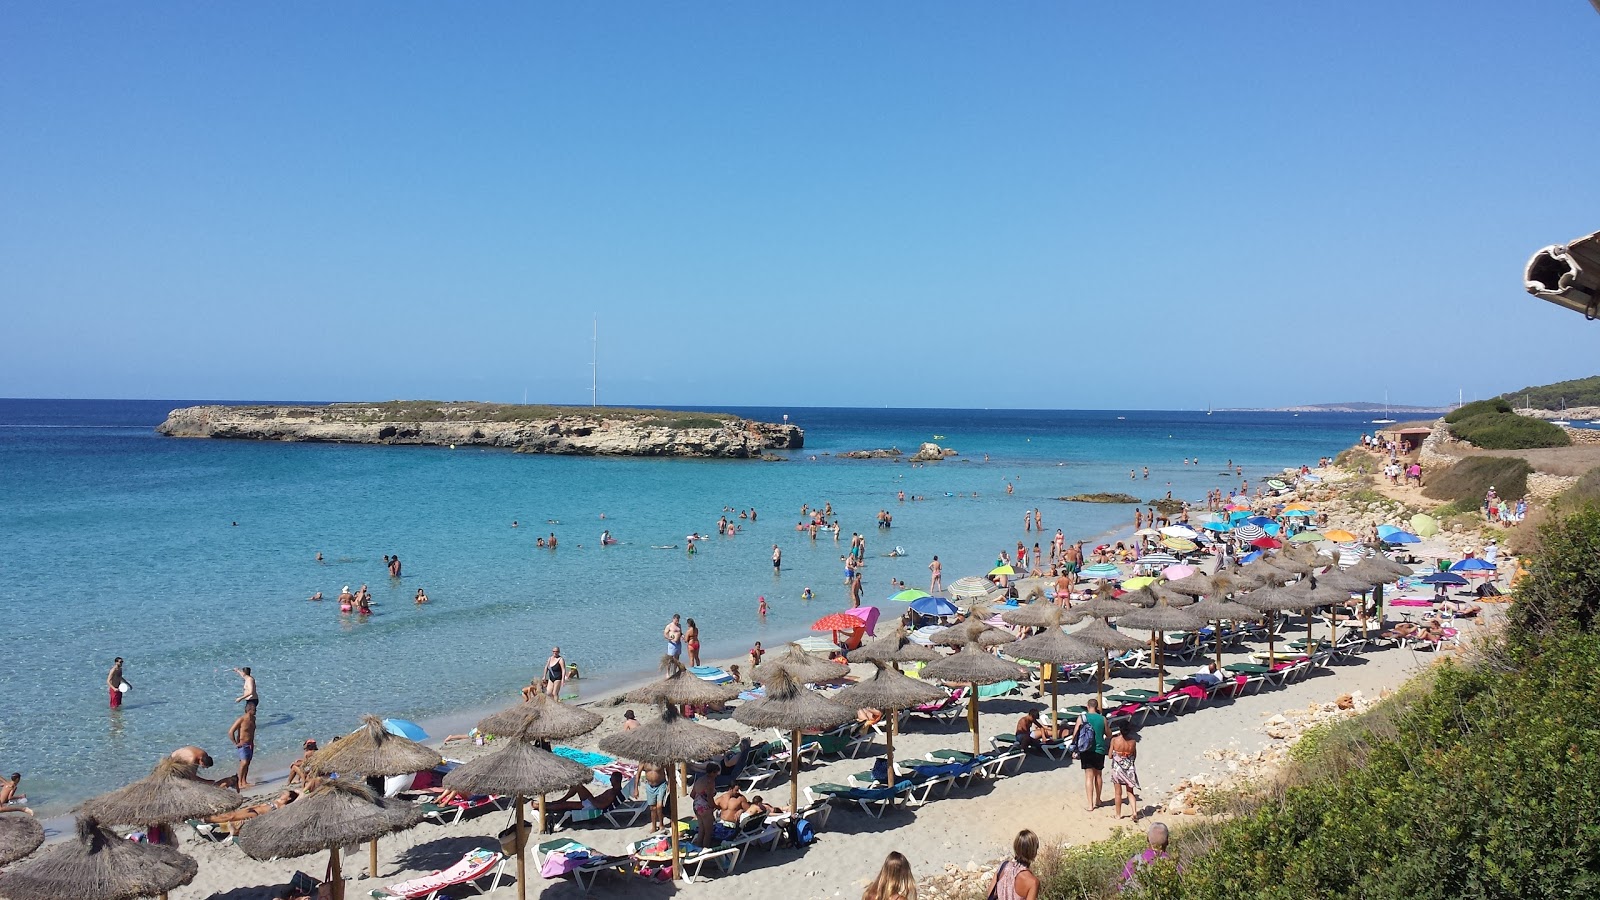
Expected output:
(1492, 425)
(1478, 780)
(1468, 481)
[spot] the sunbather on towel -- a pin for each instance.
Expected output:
(1461, 609)
(245, 814)
(581, 798)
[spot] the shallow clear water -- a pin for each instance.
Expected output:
(119, 542)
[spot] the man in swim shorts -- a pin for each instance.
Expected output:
(654, 781)
(703, 793)
(581, 798)
(243, 735)
(674, 635)
(115, 681)
(249, 696)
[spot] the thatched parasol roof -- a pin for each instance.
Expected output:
(799, 665)
(1195, 584)
(520, 770)
(1374, 572)
(1162, 617)
(789, 705)
(679, 686)
(1225, 609)
(1057, 647)
(1342, 581)
(1101, 635)
(1037, 614)
(371, 750)
(20, 835)
(671, 739)
(548, 719)
(973, 666)
(170, 793)
(333, 814)
(98, 865)
(1276, 599)
(1241, 578)
(972, 587)
(1289, 563)
(887, 690)
(1171, 597)
(1104, 608)
(1032, 587)
(893, 647)
(972, 632)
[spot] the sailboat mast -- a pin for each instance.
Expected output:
(594, 364)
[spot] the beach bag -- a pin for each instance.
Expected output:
(803, 834)
(994, 889)
(1084, 743)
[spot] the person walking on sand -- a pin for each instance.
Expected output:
(894, 881)
(1124, 774)
(1090, 744)
(936, 579)
(243, 735)
(117, 683)
(1014, 880)
(777, 559)
(555, 674)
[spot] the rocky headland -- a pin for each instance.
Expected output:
(569, 430)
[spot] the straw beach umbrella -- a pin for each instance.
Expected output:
(331, 815)
(1194, 585)
(1056, 647)
(19, 836)
(667, 742)
(98, 865)
(1039, 614)
(1273, 600)
(679, 687)
(172, 792)
(889, 691)
(789, 706)
(1162, 618)
(521, 770)
(372, 751)
(1376, 574)
(1108, 639)
(972, 666)
(1217, 609)
(974, 631)
(894, 648)
(557, 721)
(800, 665)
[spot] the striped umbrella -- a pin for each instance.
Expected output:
(1102, 570)
(1182, 545)
(1161, 560)
(1249, 532)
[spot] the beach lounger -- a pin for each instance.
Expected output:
(944, 710)
(1005, 764)
(872, 801)
(656, 852)
(453, 812)
(473, 868)
(581, 862)
(1053, 749)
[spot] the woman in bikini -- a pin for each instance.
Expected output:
(1124, 774)
(691, 635)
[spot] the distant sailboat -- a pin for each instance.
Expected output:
(1563, 419)
(1208, 409)
(1385, 420)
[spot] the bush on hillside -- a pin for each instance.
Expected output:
(1577, 392)
(1492, 425)
(1587, 489)
(1561, 592)
(1467, 481)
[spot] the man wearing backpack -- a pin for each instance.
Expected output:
(1089, 744)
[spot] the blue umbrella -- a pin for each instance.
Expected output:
(1398, 537)
(411, 731)
(1300, 513)
(933, 606)
(1443, 578)
(1215, 526)
(1102, 570)
(1472, 565)
(1263, 521)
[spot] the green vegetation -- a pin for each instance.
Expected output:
(1466, 482)
(1477, 779)
(1492, 425)
(439, 411)
(1578, 392)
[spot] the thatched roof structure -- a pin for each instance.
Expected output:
(1162, 617)
(886, 689)
(332, 814)
(799, 665)
(973, 632)
(1057, 647)
(1195, 584)
(1101, 635)
(541, 718)
(1225, 609)
(670, 739)
(1340, 580)
(1277, 599)
(679, 686)
(372, 750)
(790, 706)
(973, 666)
(20, 834)
(1038, 614)
(519, 770)
(893, 647)
(98, 865)
(172, 792)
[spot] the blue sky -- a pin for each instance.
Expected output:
(907, 204)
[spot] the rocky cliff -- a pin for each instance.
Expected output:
(526, 429)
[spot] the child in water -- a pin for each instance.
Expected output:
(761, 606)
(806, 594)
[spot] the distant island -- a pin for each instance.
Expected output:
(568, 430)
(1359, 407)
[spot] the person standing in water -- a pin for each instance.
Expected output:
(936, 579)
(777, 559)
(249, 697)
(691, 637)
(243, 735)
(555, 674)
(115, 681)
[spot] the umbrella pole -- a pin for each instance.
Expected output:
(893, 713)
(1100, 680)
(522, 846)
(972, 718)
(1055, 717)
(1161, 662)
(333, 873)
(543, 821)
(1272, 622)
(372, 859)
(794, 772)
(1216, 636)
(672, 829)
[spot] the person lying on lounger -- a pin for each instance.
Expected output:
(1460, 608)
(581, 798)
(733, 806)
(245, 814)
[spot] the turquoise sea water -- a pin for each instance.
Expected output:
(118, 542)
